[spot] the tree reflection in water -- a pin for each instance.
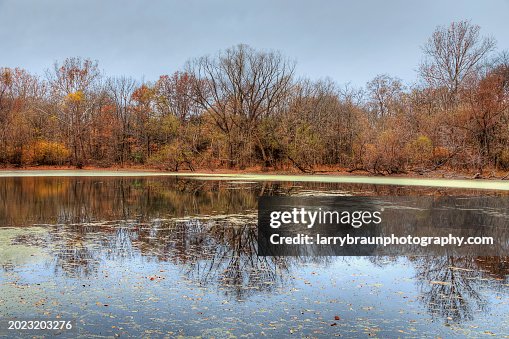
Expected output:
(222, 252)
(450, 288)
(208, 231)
(209, 252)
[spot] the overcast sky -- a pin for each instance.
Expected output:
(347, 41)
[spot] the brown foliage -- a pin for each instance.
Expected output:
(243, 108)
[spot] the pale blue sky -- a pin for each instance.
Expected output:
(347, 41)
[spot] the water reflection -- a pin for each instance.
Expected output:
(215, 251)
(57, 200)
(450, 287)
(207, 230)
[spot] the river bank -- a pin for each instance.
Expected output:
(489, 174)
(400, 180)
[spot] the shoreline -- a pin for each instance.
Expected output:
(400, 180)
(437, 174)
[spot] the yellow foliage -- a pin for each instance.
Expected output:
(420, 150)
(44, 152)
(76, 97)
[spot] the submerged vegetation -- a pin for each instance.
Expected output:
(243, 107)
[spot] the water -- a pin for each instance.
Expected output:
(167, 256)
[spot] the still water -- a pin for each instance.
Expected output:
(177, 256)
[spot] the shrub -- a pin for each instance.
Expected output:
(385, 155)
(440, 155)
(420, 150)
(503, 159)
(44, 152)
(172, 157)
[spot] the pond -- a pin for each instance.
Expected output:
(150, 255)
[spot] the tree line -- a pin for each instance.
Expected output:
(244, 108)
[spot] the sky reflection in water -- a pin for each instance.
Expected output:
(132, 255)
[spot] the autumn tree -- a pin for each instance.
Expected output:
(175, 96)
(453, 54)
(120, 90)
(456, 58)
(238, 87)
(385, 93)
(20, 126)
(244, 107)
(147, 126)
(484, 116)
(74, 86)
(177, 107)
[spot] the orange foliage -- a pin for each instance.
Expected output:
(44, 152)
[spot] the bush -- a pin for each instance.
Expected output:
(46, 153)
(171, 157)
(440, 155)
(503, 159)
(385, 156)
(420, 151)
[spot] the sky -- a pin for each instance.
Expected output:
(348, 41)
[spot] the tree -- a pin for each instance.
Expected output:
(484, 116)
(145, 124)
(384, 94)
(244, 107)
(20, 93)
(120, 91)
(174, 95)
(73, 85)
(237, 88)
(453, 54)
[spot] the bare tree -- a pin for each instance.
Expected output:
(453, 54)
(120, 91)
(238, 87)
(384, 92)
(243, 107)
